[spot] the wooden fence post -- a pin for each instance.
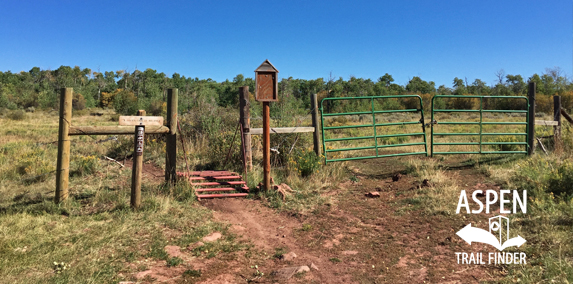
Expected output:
(245, 121)
(531, 119)
(138, 142)
(315, 123)
(557, 117)
(171, 137)
(63, 162)
(266, 146)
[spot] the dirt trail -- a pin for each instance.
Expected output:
(269, 231)
(353, 239)
(358, 239)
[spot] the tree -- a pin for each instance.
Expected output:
(516, 84)
(459, 87)
(417, 85)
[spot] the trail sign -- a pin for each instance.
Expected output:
(141, 120)
(266, 83)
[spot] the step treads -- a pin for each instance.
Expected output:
(215, 183)
(216, 189)
(222, 195)
(214, 177)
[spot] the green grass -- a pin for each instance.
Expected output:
(94, 235)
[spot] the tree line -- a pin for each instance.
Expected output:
(128, 91)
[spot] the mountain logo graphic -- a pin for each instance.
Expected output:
(498, 226)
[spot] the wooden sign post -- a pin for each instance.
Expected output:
(266, 91)
(140, 122)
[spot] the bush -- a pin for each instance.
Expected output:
(560, 180)
(305, 162)
(158, 108)
(87, 165)
(78, 102)
(462, 103)
(17, 115)
(507, 147)
(125, 102)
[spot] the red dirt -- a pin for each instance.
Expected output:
(357, 240)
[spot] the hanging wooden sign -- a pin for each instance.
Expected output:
(266, 83)
(141, 120)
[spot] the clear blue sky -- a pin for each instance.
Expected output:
(436, 40)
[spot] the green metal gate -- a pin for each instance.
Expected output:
(372, 141)
(480, 143)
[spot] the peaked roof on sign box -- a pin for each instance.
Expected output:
(267, 66)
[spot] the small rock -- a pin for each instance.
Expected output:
(312, 266)
(302, 269)
(212, 237)
(288, 256)
(396, 177)
(373, 194)
(284, 236)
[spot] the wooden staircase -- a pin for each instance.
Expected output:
(216, 184)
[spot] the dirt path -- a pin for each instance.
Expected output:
(353, 239)
(358, 239)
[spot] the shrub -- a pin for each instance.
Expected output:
(158, 108)
(17, 115)
(86, 165)
(305, 162)
(78, 102)
(507, 147)
(125, 102)
(561, 180)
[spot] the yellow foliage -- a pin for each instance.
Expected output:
(106, 99)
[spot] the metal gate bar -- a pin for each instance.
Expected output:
(374, 125)
(480, 123)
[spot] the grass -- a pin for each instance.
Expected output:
(549, 219)
(94, 236)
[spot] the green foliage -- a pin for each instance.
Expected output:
(85, 165)
(174, 261)
(17, 115)
(507, 147)
(192, 273)
(125, 102)
(305, 162)
(560, 181)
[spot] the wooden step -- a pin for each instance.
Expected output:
(215, 177)
(206, 173)
(216, 189)
(199, 196)
(216, 183)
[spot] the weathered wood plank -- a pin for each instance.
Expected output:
(546, 122)
(282, 130)
(114, 130)
(566, 115)
(141, 120)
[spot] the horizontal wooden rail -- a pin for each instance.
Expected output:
(115, 130)
(259, 131)
(546, 122)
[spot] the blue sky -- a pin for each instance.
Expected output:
(436, 40)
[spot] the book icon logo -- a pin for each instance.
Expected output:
(498, 231)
